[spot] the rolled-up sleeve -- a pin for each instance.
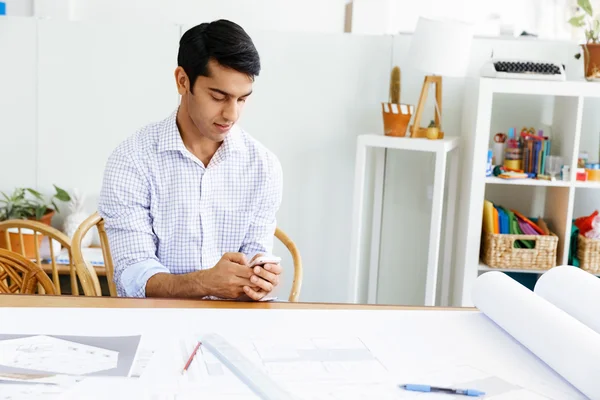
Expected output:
(259, 237)
(124, 205)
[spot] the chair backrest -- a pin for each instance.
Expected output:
(291, 246)
(89, 278)
(25, 238)
(22, 276)
(87, 274)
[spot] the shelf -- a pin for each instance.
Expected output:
(587, 184)
(485, 268)
(407, 143)
(527, 182)
(573, 88)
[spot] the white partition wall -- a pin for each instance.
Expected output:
(98, 83)
(17, 103)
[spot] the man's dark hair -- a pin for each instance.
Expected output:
(222, 40)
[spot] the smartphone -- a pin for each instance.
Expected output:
(266, 259)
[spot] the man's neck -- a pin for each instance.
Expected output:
(204, 149)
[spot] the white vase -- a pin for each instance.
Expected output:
(76, 217)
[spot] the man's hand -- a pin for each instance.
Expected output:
(229, 277)
(264, 279)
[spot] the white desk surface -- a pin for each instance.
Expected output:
(437, 345)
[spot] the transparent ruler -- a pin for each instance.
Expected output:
(259, 382)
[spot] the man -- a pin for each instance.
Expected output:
(190, 200)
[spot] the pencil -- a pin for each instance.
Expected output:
(189, 361)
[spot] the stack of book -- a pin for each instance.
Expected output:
(535, 151)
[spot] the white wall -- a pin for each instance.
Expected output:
(546, 18)
(19, 8)
(278, 15)
(18, 102)
(96, 85)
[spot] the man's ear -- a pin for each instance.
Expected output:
(183, 83)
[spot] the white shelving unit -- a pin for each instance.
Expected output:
(365, 273)
(554, 200)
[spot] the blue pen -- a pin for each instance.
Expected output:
(427, 388)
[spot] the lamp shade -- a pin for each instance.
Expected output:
(441, 47)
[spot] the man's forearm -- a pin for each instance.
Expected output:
(177, 286)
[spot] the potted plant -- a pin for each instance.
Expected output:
(396, 115)
(591, 47)
(433, 132)
(27, 203)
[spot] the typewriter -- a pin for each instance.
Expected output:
(523, 69)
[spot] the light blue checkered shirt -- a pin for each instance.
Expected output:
(165, 212)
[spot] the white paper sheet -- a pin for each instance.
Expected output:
(433, 346)
(569, 347)
(31, 392)
(345, 368)
(574, 291)
(49, 354)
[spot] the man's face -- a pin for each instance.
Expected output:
(218, 100)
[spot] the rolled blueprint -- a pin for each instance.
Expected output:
(566, 345)
(574, 291)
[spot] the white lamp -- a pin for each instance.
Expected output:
(438, 48)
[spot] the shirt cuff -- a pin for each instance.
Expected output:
(135, 276)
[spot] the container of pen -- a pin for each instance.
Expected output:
(513, 157)
(593, 171)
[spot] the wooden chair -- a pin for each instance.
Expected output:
(87, 274)
(89, 278)
(40, 230)
(291, 246)
(22, 276)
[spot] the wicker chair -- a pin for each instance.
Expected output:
(89, 278)
(19, 275)
(39, 230)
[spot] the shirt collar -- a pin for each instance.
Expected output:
(170, 138)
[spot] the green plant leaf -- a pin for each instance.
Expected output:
(55, 206)
(62, 194)
(586, 6)
(39, 212)
(37, 194)
(577, 22)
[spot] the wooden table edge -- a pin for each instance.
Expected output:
(46, 301)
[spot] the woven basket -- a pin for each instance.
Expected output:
(588, 253)
(498, 251)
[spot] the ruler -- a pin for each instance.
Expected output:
(258, 381)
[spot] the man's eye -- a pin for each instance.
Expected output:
(242, 100)
(218, 99)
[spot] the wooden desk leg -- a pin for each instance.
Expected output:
(435, 227)
(449, 228)
(378, 190)
(354, 289)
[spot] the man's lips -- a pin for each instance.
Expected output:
(223, 128)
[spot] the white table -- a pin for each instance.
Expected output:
(379, 144)
(405, 344)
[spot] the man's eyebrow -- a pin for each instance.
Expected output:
(227, 94)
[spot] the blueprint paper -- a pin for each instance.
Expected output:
(574, 291)
(71, 355)
(568, 346)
